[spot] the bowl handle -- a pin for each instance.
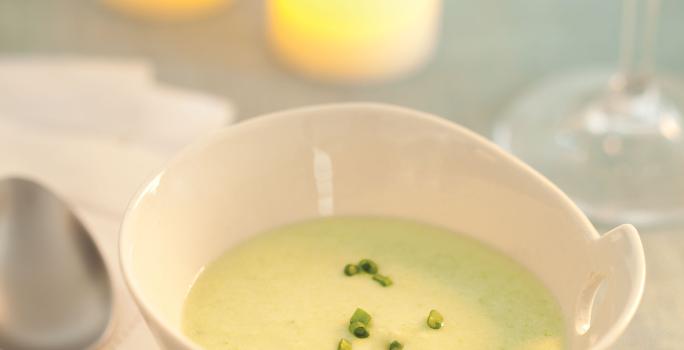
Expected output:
(614, 289)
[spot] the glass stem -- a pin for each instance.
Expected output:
(639, 25)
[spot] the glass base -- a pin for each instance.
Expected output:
(617, 152)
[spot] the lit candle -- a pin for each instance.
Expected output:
(167, 9)
(354, 40)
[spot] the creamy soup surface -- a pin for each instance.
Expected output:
(286, 289)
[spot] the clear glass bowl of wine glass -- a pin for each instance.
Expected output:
(612, 140)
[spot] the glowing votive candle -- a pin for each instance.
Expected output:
(354, 40)
(167, 9)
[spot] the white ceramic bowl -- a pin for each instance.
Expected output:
(379, 160)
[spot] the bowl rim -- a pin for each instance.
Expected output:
(125, 244)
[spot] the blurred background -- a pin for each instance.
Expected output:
(487, 53)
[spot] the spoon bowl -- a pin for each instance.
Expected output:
(55, 291)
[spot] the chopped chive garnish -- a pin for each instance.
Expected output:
(395, 345)
(351, 270)
(359, 322)
(344, 345)
(435, 320)
(383, 280)
(369, 266)
(358, 329)
(360, 315)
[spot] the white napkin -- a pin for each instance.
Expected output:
(94, 130)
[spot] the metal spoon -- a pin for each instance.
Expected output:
(55, 292)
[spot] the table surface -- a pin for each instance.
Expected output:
(490, 51)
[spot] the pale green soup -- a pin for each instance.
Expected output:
(285, 289)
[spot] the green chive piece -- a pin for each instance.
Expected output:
(369, 266)
(351, 270)
(395, 345)
(358, 329)
(360, 315)
(383, 280)
(359, 322)
(344, 344)
(435, 320)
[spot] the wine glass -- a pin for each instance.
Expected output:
(612, 141)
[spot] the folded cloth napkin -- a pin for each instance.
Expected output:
(93, 130)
